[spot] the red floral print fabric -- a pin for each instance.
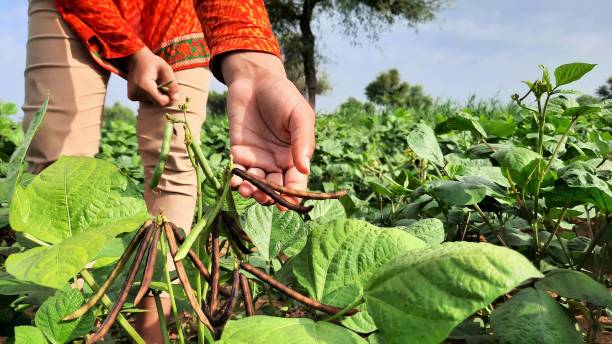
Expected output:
(183, 32)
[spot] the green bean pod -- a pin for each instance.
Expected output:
(163, 155)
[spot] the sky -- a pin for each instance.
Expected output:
(482, 47)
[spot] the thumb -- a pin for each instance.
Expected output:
(302, 129)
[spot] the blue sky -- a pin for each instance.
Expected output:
(473, 47)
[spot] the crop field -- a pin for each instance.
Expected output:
(483, 223)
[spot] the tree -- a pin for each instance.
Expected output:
(292, 22)
(389, 90)
(605, 91)
(118, 112)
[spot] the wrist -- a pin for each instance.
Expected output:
(251, 65)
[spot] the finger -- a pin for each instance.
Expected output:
(247, 189)
(236, 181)
(276, 178)
(149, 87)
(254, 157)
(173, 91)
(296, 180)
(302, 129)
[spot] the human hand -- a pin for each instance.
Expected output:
(271, 124)
(147, 70)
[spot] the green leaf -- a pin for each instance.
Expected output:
(340, 257)
(461, 121)
(535, 318)
(326, 210)
(18, 156)
(49, 317)
(513, 161)
(423, 143)
(272, 230)
(261, 329)
(546, 77)
(581, 110)
(577, 186)
(431, 231)
(467, 190)
(78, 204)
(29, 335)
(76, 195)
(419, 297)
(498, 128)
(576, 285)
(8, 108)
(571, 72)
(11, 286)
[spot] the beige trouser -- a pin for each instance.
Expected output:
(59, 66)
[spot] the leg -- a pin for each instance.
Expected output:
(59, 66)
(176, 192)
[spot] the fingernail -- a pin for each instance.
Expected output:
(308, 163)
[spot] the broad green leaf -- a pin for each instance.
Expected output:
(49, 317)
(272, 230)
(18, 156)
(326, 210)
(465, 191)
(533, 317)
(513, 160)
(498, 128)
(380, 189)
(419, 297)
(431, 231)
(261, 329)
(77, 195)
(576, 285)
(424, 144)
(461, 121)
(78, 204)
(571, 72)
(29, 335)
(577, 186)
(53, 266)
(340, 257)
(582, 110)
(12, 286)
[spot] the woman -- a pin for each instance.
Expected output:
(74, 45)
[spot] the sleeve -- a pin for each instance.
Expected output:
(101, 27)
(231, 25)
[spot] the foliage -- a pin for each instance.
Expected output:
(216, 103)
(388, 90)
(118, 112)
(483, 222)
(605, 91)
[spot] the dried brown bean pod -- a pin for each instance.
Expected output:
(289, 191)
(125, 289)
(270, 192)
(214, 284)
(292, 293)
(147, 275)
(180, 271)
(249, 307)
(233, 231)
(125, 257)
(231, 301)
(196, 260)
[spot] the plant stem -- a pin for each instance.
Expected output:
(177, 319)
(489, 224)
(89, 279)
(556, 228)
(162, 318)
(345, 310)
(592, 245)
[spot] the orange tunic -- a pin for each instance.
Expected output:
(185, 33)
